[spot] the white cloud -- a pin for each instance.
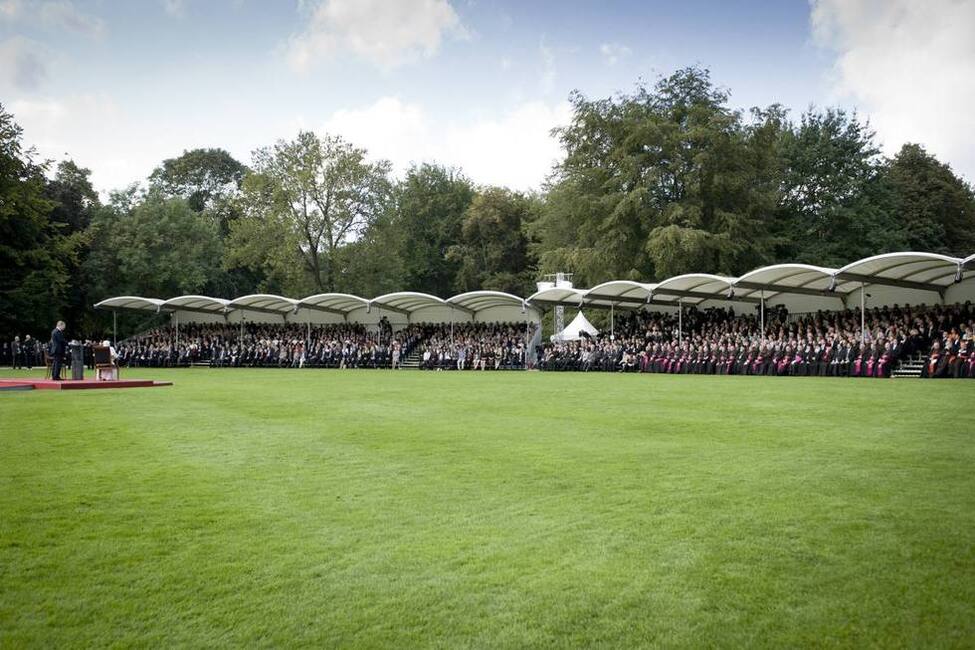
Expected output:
(10, 9)
(387, 33)
(23, 63)
(174, 8)
(910, 66)
(613, 52)
(547, 70)
(514, 149)
(94, 131)
(62, 14)
(52, 15)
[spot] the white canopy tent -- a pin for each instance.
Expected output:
(330, 307)
(888, 279)
(575, 330)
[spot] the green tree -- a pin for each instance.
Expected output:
(265, 242)
(204, 177)
(663, 181)
(493, 252)
(34, 252)
(427, 215)
(73, 196)
(316, 194)
(837, 205)
(74, 201)
(935, 208)
(151, 246)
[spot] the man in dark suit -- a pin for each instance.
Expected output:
(58, 348)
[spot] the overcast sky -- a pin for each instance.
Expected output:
(119, 85)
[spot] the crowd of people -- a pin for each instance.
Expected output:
(263, 345)
(717, 341)
(709, 341)
(475, 346)
(466, 346)
(26, 352)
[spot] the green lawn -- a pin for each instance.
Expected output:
(365, 509)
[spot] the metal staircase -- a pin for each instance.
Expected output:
(412, 360)
(910, 367)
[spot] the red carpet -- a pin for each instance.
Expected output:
(81, 384)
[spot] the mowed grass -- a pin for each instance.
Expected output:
(371, 509)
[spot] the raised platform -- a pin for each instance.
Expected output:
(81, 384)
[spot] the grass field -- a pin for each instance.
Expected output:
(364, 509)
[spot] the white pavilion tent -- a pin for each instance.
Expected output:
(891, 278)
(579, 327)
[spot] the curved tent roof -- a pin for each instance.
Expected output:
(480, 300)
(202, 304)
(557, 296)
(790, 278)
(407, 302)
(698, 287)
(265, 303)
(919, 271)
(336, 303)
(617, 292)
(137, 303)
(905, 272)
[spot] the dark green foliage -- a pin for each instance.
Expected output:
(934, 208)
(836, 205)
(661, 182)
(493, 250)
(35, 253)
(427, 215)
(206, 178)
(152, 246)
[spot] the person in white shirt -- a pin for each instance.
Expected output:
(109, 374)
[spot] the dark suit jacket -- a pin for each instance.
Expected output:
(58, 344)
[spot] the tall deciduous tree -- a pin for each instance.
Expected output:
(935, 208)
(320, 193)
(153, 246)
(74, 201)
(34, 252)
(494, 252)
(663, 181)
(427, 214)
(837, 205)
(201, 176)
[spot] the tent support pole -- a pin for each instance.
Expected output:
(612, 322)
(863, 316)
(680, 321)
(762, 307)
(114, 327)
(451, 326)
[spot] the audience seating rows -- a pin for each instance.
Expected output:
(717, 341)
(708, 341)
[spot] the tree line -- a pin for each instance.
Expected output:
(666, 179)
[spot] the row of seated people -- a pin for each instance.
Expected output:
(717, 341)
(481, 345)
(260, 345)
(952, 356)
(475, 346)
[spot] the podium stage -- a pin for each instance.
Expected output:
(77, 384)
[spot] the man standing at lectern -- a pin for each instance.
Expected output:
(58, 348)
